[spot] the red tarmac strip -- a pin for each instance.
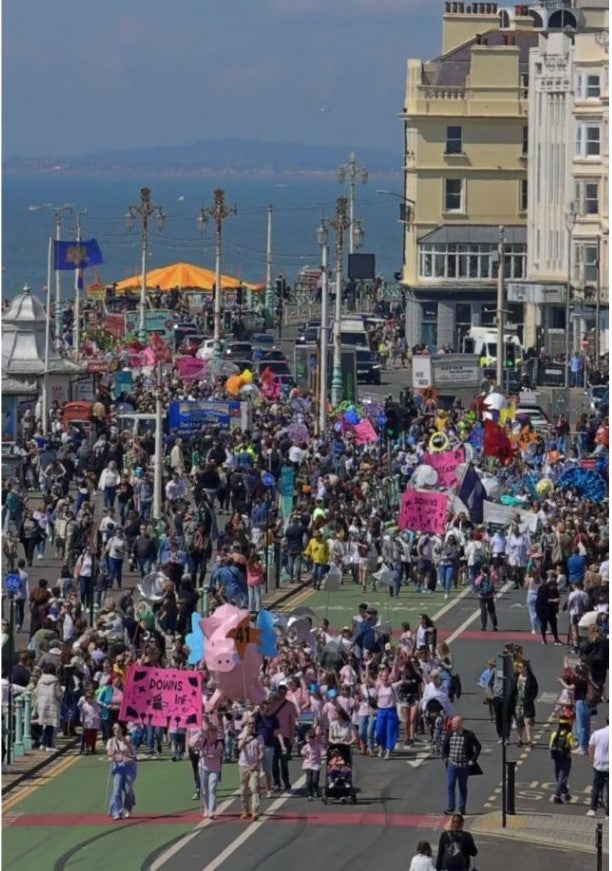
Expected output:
(322, 818)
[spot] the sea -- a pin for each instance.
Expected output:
(298, 206)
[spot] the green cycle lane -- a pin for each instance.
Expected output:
(341, 606)
(64, 824)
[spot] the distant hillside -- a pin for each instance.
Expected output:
(232, 155)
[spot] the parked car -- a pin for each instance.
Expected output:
(368, 366)
(262, 340)
(243, 350)
(274, 354)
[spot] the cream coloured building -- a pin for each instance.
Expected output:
(568, 216)
(466, 144)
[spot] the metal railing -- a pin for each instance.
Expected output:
(21, 731)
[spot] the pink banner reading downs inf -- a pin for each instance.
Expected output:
(423, 511)
(168, 697)
(445, 463)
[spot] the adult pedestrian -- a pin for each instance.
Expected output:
(561, 742)
(387, 720)
(460, 752)
(318, 551)
(211, 756)
(48, 705)
(547, 607)
(250, 747)
(599, 756)
(526, 692)
(287, 715)
(455, 847)
(116, 550)
(108, 483)
(255, 578)
(121, 753)
(486, 599)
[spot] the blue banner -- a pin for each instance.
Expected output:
(287, 478)
(124, 381)
(189, 416)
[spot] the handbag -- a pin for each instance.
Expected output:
(474, 770)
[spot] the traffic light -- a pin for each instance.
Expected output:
(393, 422)
(510, 361)
(240, 296)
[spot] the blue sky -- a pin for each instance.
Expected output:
(86, 76)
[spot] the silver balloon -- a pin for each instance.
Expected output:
(424, 476)
(151, 588)
(298, 630)
(221, 368)
(302, 611)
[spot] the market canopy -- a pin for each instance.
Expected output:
(184, 276)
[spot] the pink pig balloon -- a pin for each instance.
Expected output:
(234, 677)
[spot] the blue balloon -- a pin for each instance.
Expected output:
(195, 640)
(267, 644)
(351, 417)
(268, 479)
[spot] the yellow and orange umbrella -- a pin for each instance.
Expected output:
(185, 276)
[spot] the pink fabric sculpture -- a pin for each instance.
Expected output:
(232, 655)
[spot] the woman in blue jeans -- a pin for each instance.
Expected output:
(122, 756)
(387, 720)
(367, 714)
(449, 559)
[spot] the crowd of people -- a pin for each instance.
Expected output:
(221, 529)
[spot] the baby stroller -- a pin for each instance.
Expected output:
(339, 779)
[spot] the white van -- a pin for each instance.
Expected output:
(483, 342)
(353, 332)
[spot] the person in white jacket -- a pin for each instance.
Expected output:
(422, 859)
(108, 483)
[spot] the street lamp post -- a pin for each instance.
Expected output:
(218, 212)
(144, 210)
(269, 296)
(322, 240)
(67, 207)
(352, 171)
(500, 308)
(405, 214)
(340, 223)
(77, 291)
(570, 220)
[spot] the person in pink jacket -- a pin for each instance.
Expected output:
(312, 751)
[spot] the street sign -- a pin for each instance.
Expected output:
(12, 583)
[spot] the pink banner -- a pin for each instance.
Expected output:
(190, 367)
(365, 432)
(445, 463)
(149, 357)
(168, 697)
(424, 511)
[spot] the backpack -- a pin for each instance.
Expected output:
(559, 745)
(453, 855)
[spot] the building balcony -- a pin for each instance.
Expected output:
(459, 100)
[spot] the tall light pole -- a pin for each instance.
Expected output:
(158, 459)
(269, 297)
(218, 212)
(77, 291)
(322, 234)
(67, 207)
(144, 210)
(340, 224)
(570, 220)
(501, 253)
(352, 172)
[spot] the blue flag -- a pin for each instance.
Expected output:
(76, 255)
(472, 494)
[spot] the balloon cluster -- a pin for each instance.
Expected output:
(587, 482)
(235, 383)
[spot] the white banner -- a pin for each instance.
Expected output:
(503, 515)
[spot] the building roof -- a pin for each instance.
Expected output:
(25, 309)
(14, 387)
(466, 234)
(453, 67)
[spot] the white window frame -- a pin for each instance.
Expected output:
(586, 257)
(461, 207)
(581, 198)
(454, 139)
(583, 86)
(468, 261)
(582, 140)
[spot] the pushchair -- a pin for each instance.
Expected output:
(339, 781)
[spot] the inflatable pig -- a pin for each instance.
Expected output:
(232, 655)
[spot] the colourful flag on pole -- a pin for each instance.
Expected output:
(76, 255)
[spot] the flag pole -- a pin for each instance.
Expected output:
(45, 384)
(78, 273)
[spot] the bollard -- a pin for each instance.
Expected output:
(599, 846)
(27, 721)
(18, 743)
(511, 787)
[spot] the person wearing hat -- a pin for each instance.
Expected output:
(560, 745)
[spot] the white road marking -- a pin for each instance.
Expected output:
(474, 616)
(178, 845)
(249, 831)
